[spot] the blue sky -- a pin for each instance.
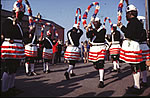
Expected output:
(62, 12)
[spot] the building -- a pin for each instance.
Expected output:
(25, 23)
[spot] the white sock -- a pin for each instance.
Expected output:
(144, 76)
(44, 66)
(115, 65)
(71, 71)
(32, 67)
(47, 66)
(27, 67)
(101, 74)
(70, 68)
(5, 82)
(136, 77)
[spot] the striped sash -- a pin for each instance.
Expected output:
(72, 53)
(130, 52)
(97, 53)
(47, 53)
(12, 51)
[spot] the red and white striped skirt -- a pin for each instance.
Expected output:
(31, 50)
(12, 51)
(145, 51)
(115, 49)
(47, 53)
(97, 53)
(72, 53)
(130, 52)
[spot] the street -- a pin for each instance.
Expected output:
(84, 84)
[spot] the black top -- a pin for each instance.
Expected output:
(27, 39)
(134, 30)
(47, 44)
(100, 36)
(116, 36)
(74, 36)
(11, 31)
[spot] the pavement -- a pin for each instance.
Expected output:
(84, 84)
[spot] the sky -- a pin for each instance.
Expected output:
(63, 12)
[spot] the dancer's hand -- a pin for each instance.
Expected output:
(119, 24)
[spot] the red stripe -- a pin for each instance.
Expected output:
(31, 55)
(71, 58)
(137, 52)
(115, 48)
(72, 55)
(131, 56)
(143, 51)
(145, 54)
(11, 51)
(13, 56)
(131, 60)
(101, 57)
(12, 47)
(72, 52)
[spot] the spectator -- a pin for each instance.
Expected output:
(86, 51)
(82, 50)
(55, 52)
(59, 51)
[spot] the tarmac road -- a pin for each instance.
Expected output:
(84, 84)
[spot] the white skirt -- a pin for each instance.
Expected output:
(72, 53)
(31, 51)
(145, 51)
(12, 51)
(115, 49)
(47, 53)
(97, 53)
(130, 52)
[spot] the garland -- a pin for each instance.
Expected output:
(111, 24)
(31, 23)
(86, 13)
(78, 9)
(43, 25)
(120, 6)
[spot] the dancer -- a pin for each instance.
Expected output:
(97, 48)
(47, 51)
(115, 48)
(145, 54)
(30, 52)
(130, 51)
(12, 49)
(72, 52)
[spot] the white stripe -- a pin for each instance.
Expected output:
(33, 39)
(17, 25)
(49, 42)
(20, 29)
(93, 38)
(69, 35)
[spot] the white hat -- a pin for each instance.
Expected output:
(97, 19)
(114, 25)
(131, 8)
(76, 26)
